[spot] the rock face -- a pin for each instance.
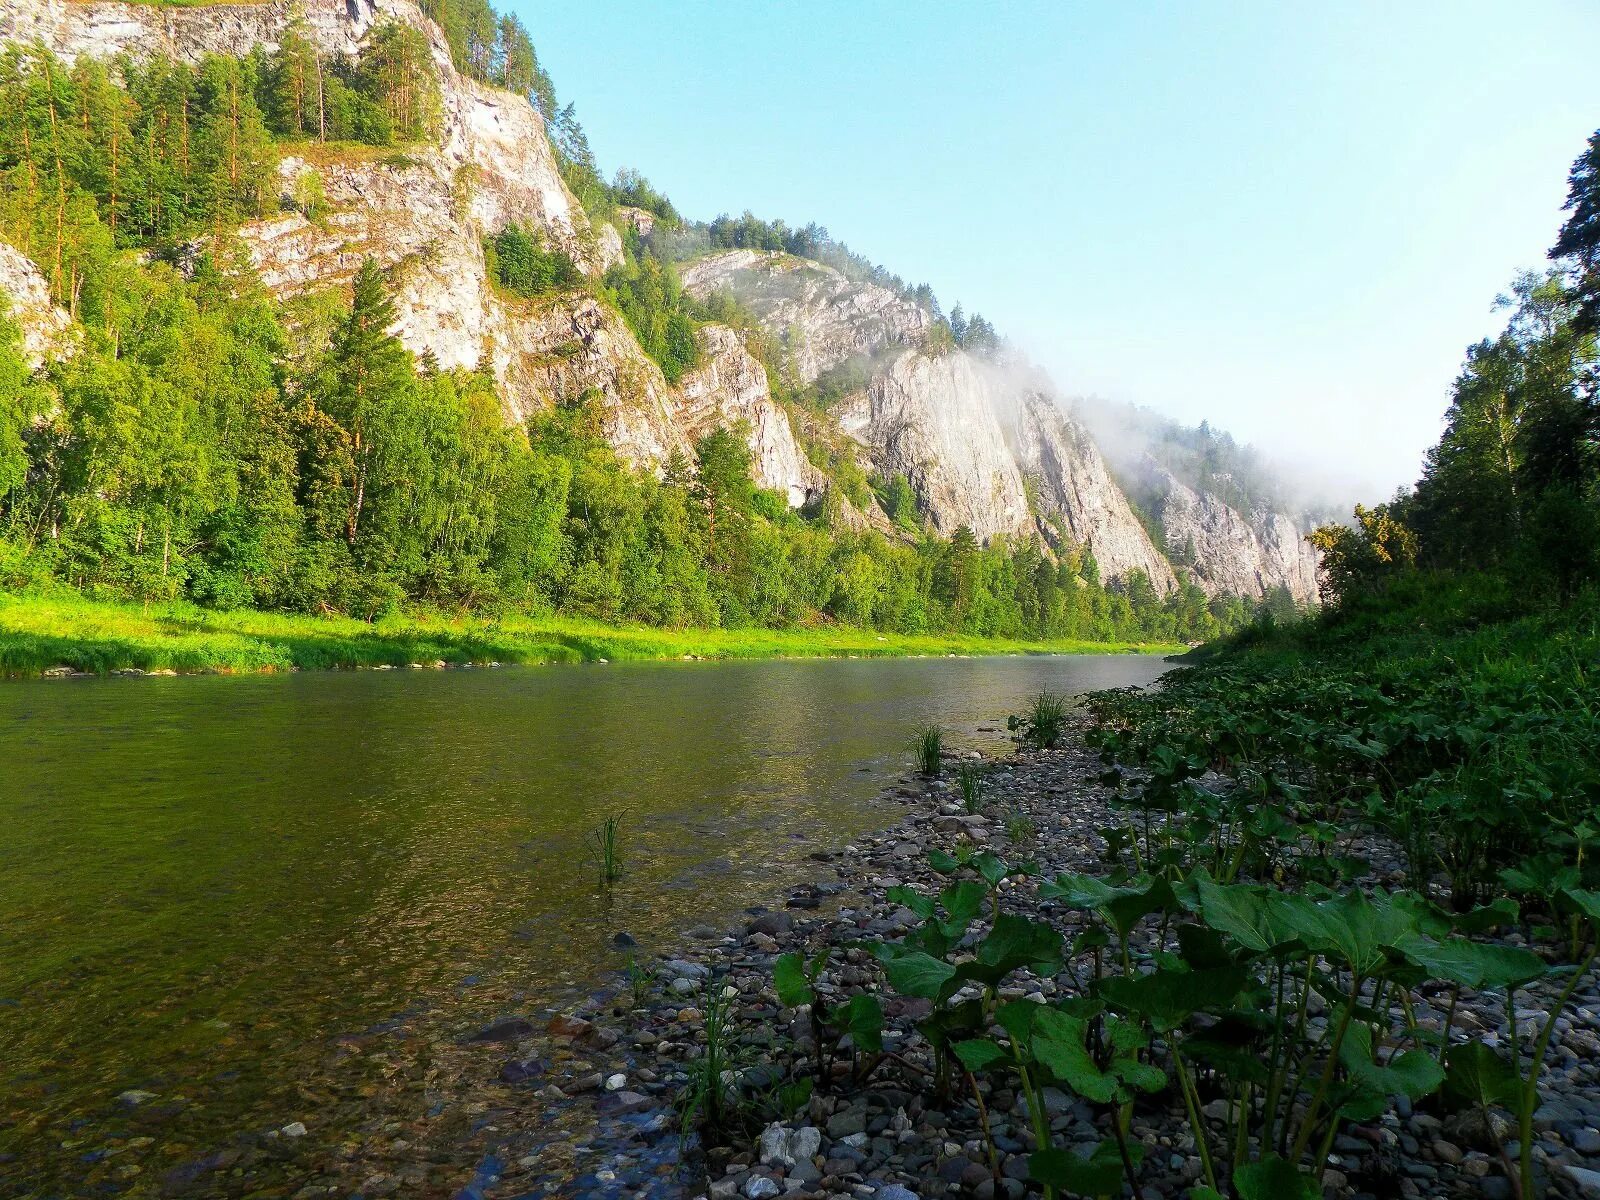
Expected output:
(974, 438)
(1234, 553)
(936, 421)
(25, 301)
(730, 389)
(422, 216)
(825, 318)
(1073, 483)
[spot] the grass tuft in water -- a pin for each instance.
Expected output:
(604, 844)
(1043, 725)
(928, 747)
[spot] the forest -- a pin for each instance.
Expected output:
(207, 442)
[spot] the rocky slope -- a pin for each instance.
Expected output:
(983, 445)
(971, 436)
(1235, 553)
(422, 215)
(25, 301)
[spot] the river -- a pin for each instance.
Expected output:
(206, 883)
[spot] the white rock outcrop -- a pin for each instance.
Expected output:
(729, 389)
(824, 318)
(1234, 553)
(25, 302)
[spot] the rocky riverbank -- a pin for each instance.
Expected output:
(609, 1078)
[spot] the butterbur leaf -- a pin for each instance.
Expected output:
(1586, 902)
(979, 1054)
(789, 979)
(1412, 1074)
(943, 863)
(1096, 1174)
(1168, 998)
(1472, 964)
(1059, 1045)
(863, 1020)
(1475, 1076)
(918, 974)
(962, 904)
(1274, 1178)
(1202, 948)
(1018, 942)
(1147, 1077)
(990, 867)
(912, 899)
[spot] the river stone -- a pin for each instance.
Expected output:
(773, 923)
(508, 1030)
(759, 1187)
(623, 941)
(894, 1191)
(1587, 1181)
(781, 1147)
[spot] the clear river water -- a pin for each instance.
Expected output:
(208, 884)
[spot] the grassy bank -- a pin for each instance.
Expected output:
(40, 632)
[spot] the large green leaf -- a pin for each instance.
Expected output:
(1274, 1178)
(1059, 1043)
(917, 974)
(1168, 998)
(1475, 1076)
(789, 978)
(979, 1054)
(863, 1021)
(1472, 964)
(1586, 902)
(1096, 1174)
(1412, 1074)
(1016, 941)
(1247, 914)
(962, 904)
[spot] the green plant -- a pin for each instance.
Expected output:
(928, 748)
(1043, 725)
(604, 845)
(711, 1094)
(1020, 828)
(641, 981)
(970, 781)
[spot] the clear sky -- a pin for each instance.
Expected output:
(1289, 219)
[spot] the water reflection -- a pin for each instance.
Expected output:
(204, 881)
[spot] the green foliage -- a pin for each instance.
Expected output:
(970, 781)
(927, 748)
(518, 263)
(647, 293)
(1044, 724)
(605, 844)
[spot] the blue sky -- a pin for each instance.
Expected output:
(1289, 219)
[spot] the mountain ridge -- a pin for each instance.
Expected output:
(983, 445)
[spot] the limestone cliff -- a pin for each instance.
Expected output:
(1232, 552)
(981, 443)
(25, 302)
(1072, 482)
(823, 318)
(422, 214)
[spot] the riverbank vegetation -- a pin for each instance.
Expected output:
(48, 629)
(1347, 879)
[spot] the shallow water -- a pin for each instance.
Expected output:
(205, 883)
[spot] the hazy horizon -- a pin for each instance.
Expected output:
(1289, 224)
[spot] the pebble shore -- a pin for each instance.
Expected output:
(607, 1077)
